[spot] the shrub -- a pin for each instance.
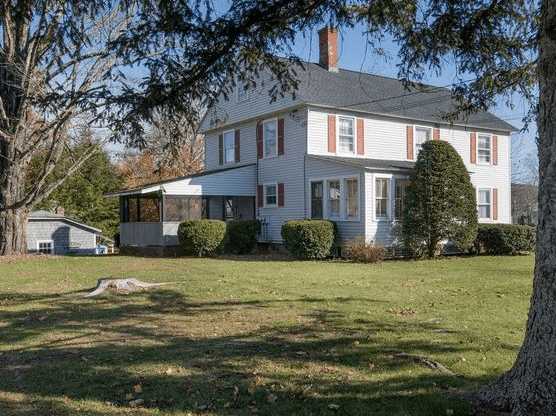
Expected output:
(504, 239)
(241, 236)
(309, 239)
(202, 237)
(440, 202)
(360, 251)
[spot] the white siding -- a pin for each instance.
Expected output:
(321, 170)
(237, 182)
(247, 146)
(257, 103)
(289, 170)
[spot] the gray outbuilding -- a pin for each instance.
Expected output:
(54, 233)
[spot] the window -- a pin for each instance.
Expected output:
(422, 134)
(334, 198)
(230, 211)
(346, 135)
(381, 197)
(45, 247)
(483, 148)
(484, 203)
(269, 135)
(270, 195)
(181, 208)
(352, 198)
(399, 197)
(144, 208)
(229, 147)
(316, 200)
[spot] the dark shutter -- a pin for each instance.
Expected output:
(280, 194)
(221, 149)
(332, 133)
(259, 196)
(495, 204)
(473, 147)
(360, 136)
(494, 150)
(236, 145)
(409, 142)
(259, 140)
(436, 134)
(280, 136)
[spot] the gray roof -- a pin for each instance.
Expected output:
(368, 164)
(359, 91)
(44, 215)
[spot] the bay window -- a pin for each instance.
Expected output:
(352, 197)
(334, 198)
(317, 200)
(399, 197)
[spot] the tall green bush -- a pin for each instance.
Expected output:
(440, 202)
(504, 239)
(202, 237)
(241, 236)
(309, 239)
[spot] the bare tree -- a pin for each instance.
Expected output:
(53, 68)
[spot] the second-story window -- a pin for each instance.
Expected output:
(422, 134)
(229, 147)
(483, 148)
(269, 135)
(346, 136)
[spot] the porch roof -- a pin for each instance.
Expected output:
(231, 181)
(368, 164)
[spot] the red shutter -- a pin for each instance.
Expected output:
(473, 147)
(495, 204)
(494, 150)
(221, 149)
(280, 194)
(436, 134)
(259, 196)
(360, 136)
(280, 136)
(237, 144)
(409, 142)
(331, 133)
(259, 140)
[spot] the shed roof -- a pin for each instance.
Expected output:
(43, 215)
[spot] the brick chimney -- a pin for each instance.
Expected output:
(328, 48)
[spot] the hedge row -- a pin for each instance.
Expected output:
(209, 237)
(504, 239)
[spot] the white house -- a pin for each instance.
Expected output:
(341, 149)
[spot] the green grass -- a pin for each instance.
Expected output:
(242, 337)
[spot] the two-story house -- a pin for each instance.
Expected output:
(341, 149)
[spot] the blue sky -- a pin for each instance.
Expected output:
(354, 55)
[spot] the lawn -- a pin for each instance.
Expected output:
(243, 336)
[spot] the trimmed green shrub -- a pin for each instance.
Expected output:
(202, 237)
(504, 239)
(360, 251)
(241, 236)
(440, 202)
(309, 239)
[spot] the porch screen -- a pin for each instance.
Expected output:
(181, 208)
(145, 208)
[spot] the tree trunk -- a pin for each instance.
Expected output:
(529, 388)
(13, 215)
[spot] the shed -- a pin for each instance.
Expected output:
(52, 233)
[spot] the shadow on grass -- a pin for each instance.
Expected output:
(97, 352)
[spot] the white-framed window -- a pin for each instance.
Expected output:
(346, 134)
(270, 139)
(484, 202)
(241, 91)
(382, 197)
(270, 195)
(229, 146)
(484, 142)
(422, 134)
(352, 197)
(399, 197)
(45, 246)
(334, 198)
